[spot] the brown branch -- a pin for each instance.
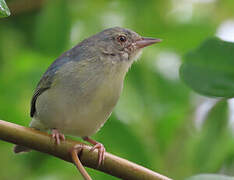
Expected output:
(42, 142)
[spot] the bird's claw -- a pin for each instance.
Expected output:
(101, 152)
(57, 136)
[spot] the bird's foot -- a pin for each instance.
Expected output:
(101, 149)
(57, 136)
(74, 155)
(101, 152)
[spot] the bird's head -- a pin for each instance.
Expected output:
(123, 43)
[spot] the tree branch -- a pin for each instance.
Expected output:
(43, 142)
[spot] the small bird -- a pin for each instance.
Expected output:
(77, 93)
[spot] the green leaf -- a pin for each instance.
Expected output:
(209, 69)
(4, 10)
(210, 177)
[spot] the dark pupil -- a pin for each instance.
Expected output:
(122, 38)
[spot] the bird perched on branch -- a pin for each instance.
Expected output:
(78, 92)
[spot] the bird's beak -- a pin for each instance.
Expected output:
(144, 41)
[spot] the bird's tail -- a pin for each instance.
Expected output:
(20, 149)
(35, 124)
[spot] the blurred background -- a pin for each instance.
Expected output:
(159, 122)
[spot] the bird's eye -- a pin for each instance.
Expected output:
(121, 38)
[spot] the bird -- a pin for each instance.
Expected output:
(77, 93)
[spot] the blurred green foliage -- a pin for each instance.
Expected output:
(159, 122)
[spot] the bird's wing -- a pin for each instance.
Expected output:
(77, 53)
(41, 87)
(46, 81)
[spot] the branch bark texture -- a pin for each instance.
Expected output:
(43, 142)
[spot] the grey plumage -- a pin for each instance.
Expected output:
(83, 51)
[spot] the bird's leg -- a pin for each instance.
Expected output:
(57, 136)
(99, 146)
(74, 155)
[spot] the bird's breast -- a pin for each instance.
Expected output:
(81, 100)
